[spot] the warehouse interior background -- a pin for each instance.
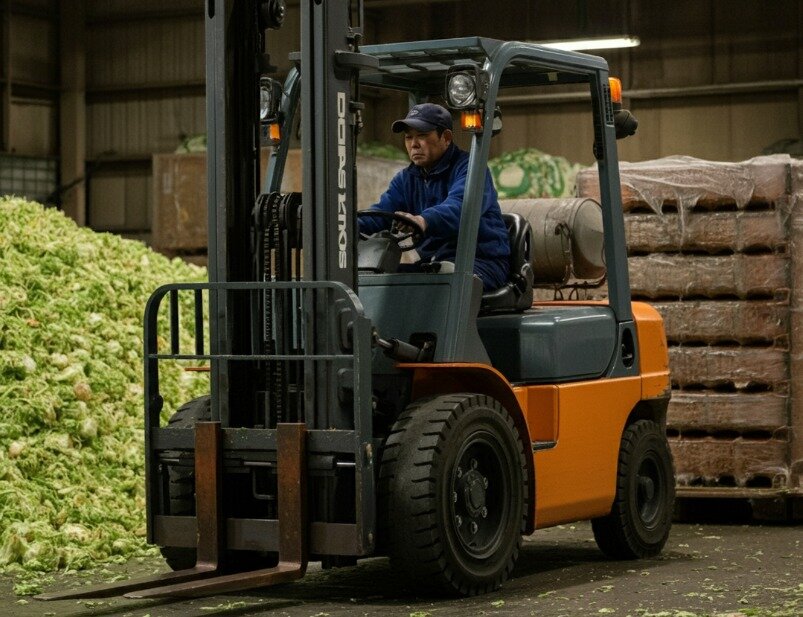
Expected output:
(93, 89)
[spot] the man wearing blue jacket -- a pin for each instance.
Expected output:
(430, 192)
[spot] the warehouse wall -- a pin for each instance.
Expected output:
(703, 82)
(28, 98)
(144, 94)
(716, 79)
(708, 51)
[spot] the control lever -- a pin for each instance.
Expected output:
(405, 352)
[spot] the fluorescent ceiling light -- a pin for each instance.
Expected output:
(603, 42)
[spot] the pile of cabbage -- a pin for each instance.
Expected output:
(530, 173)
(71, 395)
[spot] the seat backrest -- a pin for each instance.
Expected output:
(517, 293)
(520, 235)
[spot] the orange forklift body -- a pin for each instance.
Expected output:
(576, 478)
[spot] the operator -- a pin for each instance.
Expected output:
(430, 192)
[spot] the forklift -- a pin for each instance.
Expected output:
(356, 410)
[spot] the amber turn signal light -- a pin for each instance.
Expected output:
(275, 132)
(471, 121)
(616, 90)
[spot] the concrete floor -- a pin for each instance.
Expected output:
(704, 570)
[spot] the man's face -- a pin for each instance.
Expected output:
(426, 149)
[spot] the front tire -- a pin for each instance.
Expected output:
(641, 518)
(453, 494)
(181, 480)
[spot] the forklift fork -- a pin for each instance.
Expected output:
(207, 577)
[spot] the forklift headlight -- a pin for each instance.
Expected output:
(466, 87)
(462, 90)
(264, 103)
(270, 97)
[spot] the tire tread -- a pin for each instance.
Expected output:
(424, 561)
(615, 533)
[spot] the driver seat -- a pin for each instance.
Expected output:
(517, 294)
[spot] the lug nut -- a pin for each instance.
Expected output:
(474, 527)
(473, 463)
(454, 496)
(459, 472)
(484, 512)
(458, 520)
(485, 482)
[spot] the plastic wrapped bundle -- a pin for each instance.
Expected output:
(716, 248)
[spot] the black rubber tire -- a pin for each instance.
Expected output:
(433, 489)
(181, 480)
(641, 518)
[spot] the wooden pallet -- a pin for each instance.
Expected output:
(661, 275)
(732, 462)
(718, 249)
(738, 367)
(725, 321)
(711, 232)
(693, 413)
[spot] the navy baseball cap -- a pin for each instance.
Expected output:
(424, 117)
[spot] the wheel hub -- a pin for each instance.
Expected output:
(647, 488)
(474, 488)
(480, 490)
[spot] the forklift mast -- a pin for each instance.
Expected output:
(315, 366)
(329, 113)
(330, 117)
(232, 182)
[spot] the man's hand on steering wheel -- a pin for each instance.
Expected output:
(414, 224)
(404, 226)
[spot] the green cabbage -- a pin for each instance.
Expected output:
(530, 173)
(71, 398)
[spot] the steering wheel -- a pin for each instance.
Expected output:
(399, 236)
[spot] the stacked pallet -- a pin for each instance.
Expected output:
(712, 247)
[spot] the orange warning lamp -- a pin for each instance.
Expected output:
(471, 121)
(274, 132)
(616, 91)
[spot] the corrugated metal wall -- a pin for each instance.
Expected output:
(145, 94)
(708, 51)
(29, 104)
(33, 116)
(713, 79)
(717, 79)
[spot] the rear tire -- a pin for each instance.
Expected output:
(453, 494)
(641, 518)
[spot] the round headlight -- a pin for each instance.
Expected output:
(264, 102)
(462, 90)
